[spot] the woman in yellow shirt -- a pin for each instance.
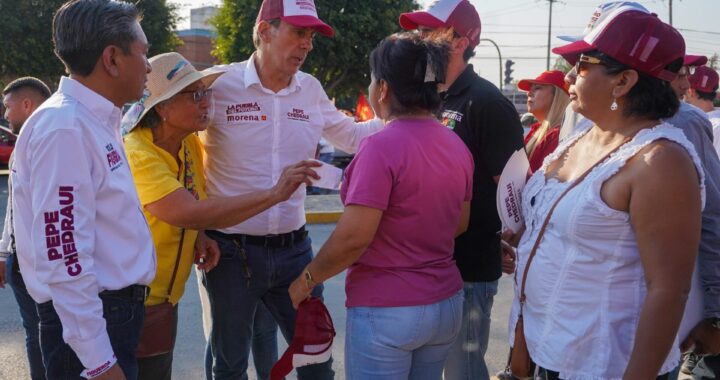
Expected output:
(166, 156)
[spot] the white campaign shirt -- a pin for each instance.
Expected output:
(256, 133)
(714, 117)
(78, 222)
(586, 285)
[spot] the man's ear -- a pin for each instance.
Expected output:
(109, 60)
(264, 31)
(459, 45)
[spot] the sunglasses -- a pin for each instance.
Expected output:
(581, 66)
(198, 95)
(686, 70)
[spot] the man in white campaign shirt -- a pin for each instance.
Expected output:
(84, 247)
(268, 114)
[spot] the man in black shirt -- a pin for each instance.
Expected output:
(490, 126)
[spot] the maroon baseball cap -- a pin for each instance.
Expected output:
(694, 60)
(705, 79)
(312, 341)
(458, 14)
(637, 39)
(552, 77)
(299, 13)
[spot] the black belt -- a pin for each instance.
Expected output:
(135, 292)
(286, 240)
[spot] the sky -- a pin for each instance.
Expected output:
(520, 28)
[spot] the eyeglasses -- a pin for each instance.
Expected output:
(583, 61)
(686, 70)
(198, 95)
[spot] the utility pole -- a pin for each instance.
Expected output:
(550, 31)
(500, 82)
(670, 6)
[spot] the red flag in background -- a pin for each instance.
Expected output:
(363, 111)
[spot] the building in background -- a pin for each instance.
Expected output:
(198, 41)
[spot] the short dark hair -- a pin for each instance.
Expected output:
(709, 96)
(651, 97)
(468, 53)
(402, 60)
(28, 83)
(82, 29)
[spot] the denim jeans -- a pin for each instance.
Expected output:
(246, 276)
(124, 318)
(264, 345)
(409, 342)
(29, 316)
(466, 360)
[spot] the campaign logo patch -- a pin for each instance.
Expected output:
(238, 112)
(450, 119)
(113, 157)
(299, 115)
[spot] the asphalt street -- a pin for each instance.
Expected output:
(189, 351)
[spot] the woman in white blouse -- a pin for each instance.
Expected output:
(604, 292)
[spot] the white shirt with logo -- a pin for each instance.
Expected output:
(256, 133)
(78, 222)
(714, 117)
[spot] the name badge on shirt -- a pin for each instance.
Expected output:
(240, 112)
(451, 118)
(114, 159)
(298, 114)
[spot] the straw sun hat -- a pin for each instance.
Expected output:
(170, 74)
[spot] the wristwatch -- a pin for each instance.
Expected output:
(309, 279)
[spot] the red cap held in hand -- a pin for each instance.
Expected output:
(312, 342)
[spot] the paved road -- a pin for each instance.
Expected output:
(189, 351)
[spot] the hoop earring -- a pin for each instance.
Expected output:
(614, 106)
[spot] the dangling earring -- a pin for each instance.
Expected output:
(613, 106)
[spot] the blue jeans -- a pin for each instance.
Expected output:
(467, 355)
(409, 342)
(245, 276)
(264, 345)
(29, 316)
(124, 319)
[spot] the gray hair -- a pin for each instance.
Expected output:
(256, 37)
(82, 29)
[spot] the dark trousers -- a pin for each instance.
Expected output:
(247, 275)
(29, 316)
(158, 367)
(124, 318)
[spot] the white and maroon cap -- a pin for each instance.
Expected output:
(634, 38)
(604, 11)
(312, 340)
(299, 13)
(458, 14)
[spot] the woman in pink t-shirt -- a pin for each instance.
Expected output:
(406, 197)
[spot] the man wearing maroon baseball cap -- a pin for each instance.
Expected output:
(268, 114)
(681, 84)
(489, 125)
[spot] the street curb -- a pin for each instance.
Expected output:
(321, 217)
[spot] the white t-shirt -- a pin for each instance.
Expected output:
(714, 117)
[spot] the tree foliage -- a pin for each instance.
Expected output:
(26, 30)
(339, 63)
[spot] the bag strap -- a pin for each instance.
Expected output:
(185, 172)
(552, 209)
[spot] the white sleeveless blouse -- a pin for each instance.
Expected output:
(586, 285)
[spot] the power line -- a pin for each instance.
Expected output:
(699, 31)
